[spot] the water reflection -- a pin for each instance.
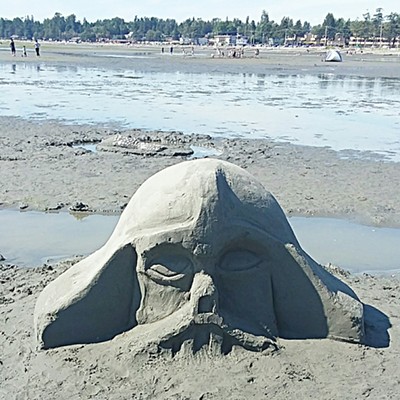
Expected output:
(36, 237)
(372, 85)
(358, 248)
(343, 112)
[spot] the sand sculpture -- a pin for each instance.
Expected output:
(202, 256)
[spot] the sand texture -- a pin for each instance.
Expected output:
(41, 170)
(112, 370)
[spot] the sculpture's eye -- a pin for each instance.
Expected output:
(239, 260)
(169, 268)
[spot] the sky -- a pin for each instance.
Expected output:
(313, 11)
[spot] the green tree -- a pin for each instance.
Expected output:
(253, 28)
(188, 28)
(29, 27)
(285, 29)
(357, 28)
(38, 30)
(88, 34)
(153, 36)
(329, 26)
(55, 27)
(18, 27)
(298, 30)
(6, 28)
(219, 26)
(72, 27)
(392, 28)
(367, 26)
(377, 23)
(263, 29)
(343, 27)
(114, 28)
(101, 30)
(306, 27)
(318, 31)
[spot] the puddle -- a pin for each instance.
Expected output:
(202, 152)
(35, 238)
(86, 146)
(342, 112)
(198, 151)
(357, 248)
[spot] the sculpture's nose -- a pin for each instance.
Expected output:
(204, 294)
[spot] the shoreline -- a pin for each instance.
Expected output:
(370, 63)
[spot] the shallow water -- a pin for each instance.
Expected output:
(357, 248)
(198, 151)
(37, 237)
(342, 112)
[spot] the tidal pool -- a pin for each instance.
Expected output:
(198, 151)
(346, 113)
(32, 238)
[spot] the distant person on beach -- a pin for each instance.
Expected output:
(24, 51)
(37, 48)
(12, 47)
(171, 49)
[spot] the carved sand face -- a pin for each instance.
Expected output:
(224, 285)
(202, 256)
(213, 264)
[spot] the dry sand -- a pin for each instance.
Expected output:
(39, 169)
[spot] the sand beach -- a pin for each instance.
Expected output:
(44, 167)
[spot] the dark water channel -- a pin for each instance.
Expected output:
(32, 238)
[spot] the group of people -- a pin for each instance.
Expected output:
(232, 53)
(185, 51)
(24, 53)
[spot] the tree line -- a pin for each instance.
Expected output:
(156, 29)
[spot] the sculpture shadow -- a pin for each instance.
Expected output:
(377, 325)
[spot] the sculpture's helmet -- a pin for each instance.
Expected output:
(201, 250)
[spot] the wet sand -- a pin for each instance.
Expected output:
(40, 169)
(324, 368)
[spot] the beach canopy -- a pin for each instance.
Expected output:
(333, 56)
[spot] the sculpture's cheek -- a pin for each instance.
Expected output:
(247, 301)
(158, 300)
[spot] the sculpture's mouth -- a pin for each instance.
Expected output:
(207, 332)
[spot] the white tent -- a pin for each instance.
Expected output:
(333, 56)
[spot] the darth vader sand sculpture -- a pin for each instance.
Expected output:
(202, 256)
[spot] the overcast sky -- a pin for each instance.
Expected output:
(313, 11)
